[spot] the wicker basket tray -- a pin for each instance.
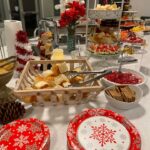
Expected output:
(71, 95)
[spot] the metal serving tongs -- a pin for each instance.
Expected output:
(7, 61)
(104, 73)
(76, 73)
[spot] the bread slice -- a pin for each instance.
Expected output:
(57, 54)
(3, 71)
(60, 79)
(50, 80)
(9, 66)
(41, 85)
(38, 78)
(77, 79)
(47, 73)
(66, 84)
(55, 70)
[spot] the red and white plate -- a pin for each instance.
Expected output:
(100, 129)
(25, 134)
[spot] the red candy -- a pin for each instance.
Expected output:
(123, 78)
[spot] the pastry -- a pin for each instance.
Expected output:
(9, 66)
(107, 7)
(55, 78)
(57, 54)
(3, 71)
(50, 80)
(38, 78)
(77, 79)
(61, 79)
(55, 69)
(47, 73)
(66, 84)
(41, 85)
(58, 86)
(104, 37)
(6, 68)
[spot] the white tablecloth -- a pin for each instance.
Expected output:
(58, 117)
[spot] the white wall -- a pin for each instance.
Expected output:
(142, 6)
(46, 8)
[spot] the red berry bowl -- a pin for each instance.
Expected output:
(126, 77)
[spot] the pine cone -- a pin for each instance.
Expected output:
(11, 111)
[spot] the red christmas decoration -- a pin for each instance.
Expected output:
(22, 37)
(23, 50)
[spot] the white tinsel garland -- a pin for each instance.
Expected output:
(25, 46)
(24, 57)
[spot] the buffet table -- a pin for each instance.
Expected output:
(58, 117)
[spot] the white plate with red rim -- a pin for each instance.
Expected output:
(140, 75)
(100, 129)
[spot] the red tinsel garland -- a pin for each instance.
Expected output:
(21, 61)
(22, 37)
(19, 69)
(22, 51)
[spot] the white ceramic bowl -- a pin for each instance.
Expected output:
(139, 74)
(125, 105)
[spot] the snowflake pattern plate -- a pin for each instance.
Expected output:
(25, 134)
(100, 129)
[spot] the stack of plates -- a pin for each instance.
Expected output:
(26, 134)
(99, 129)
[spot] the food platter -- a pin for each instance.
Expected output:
(102, 129)
(111, 56)
(104, 50)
